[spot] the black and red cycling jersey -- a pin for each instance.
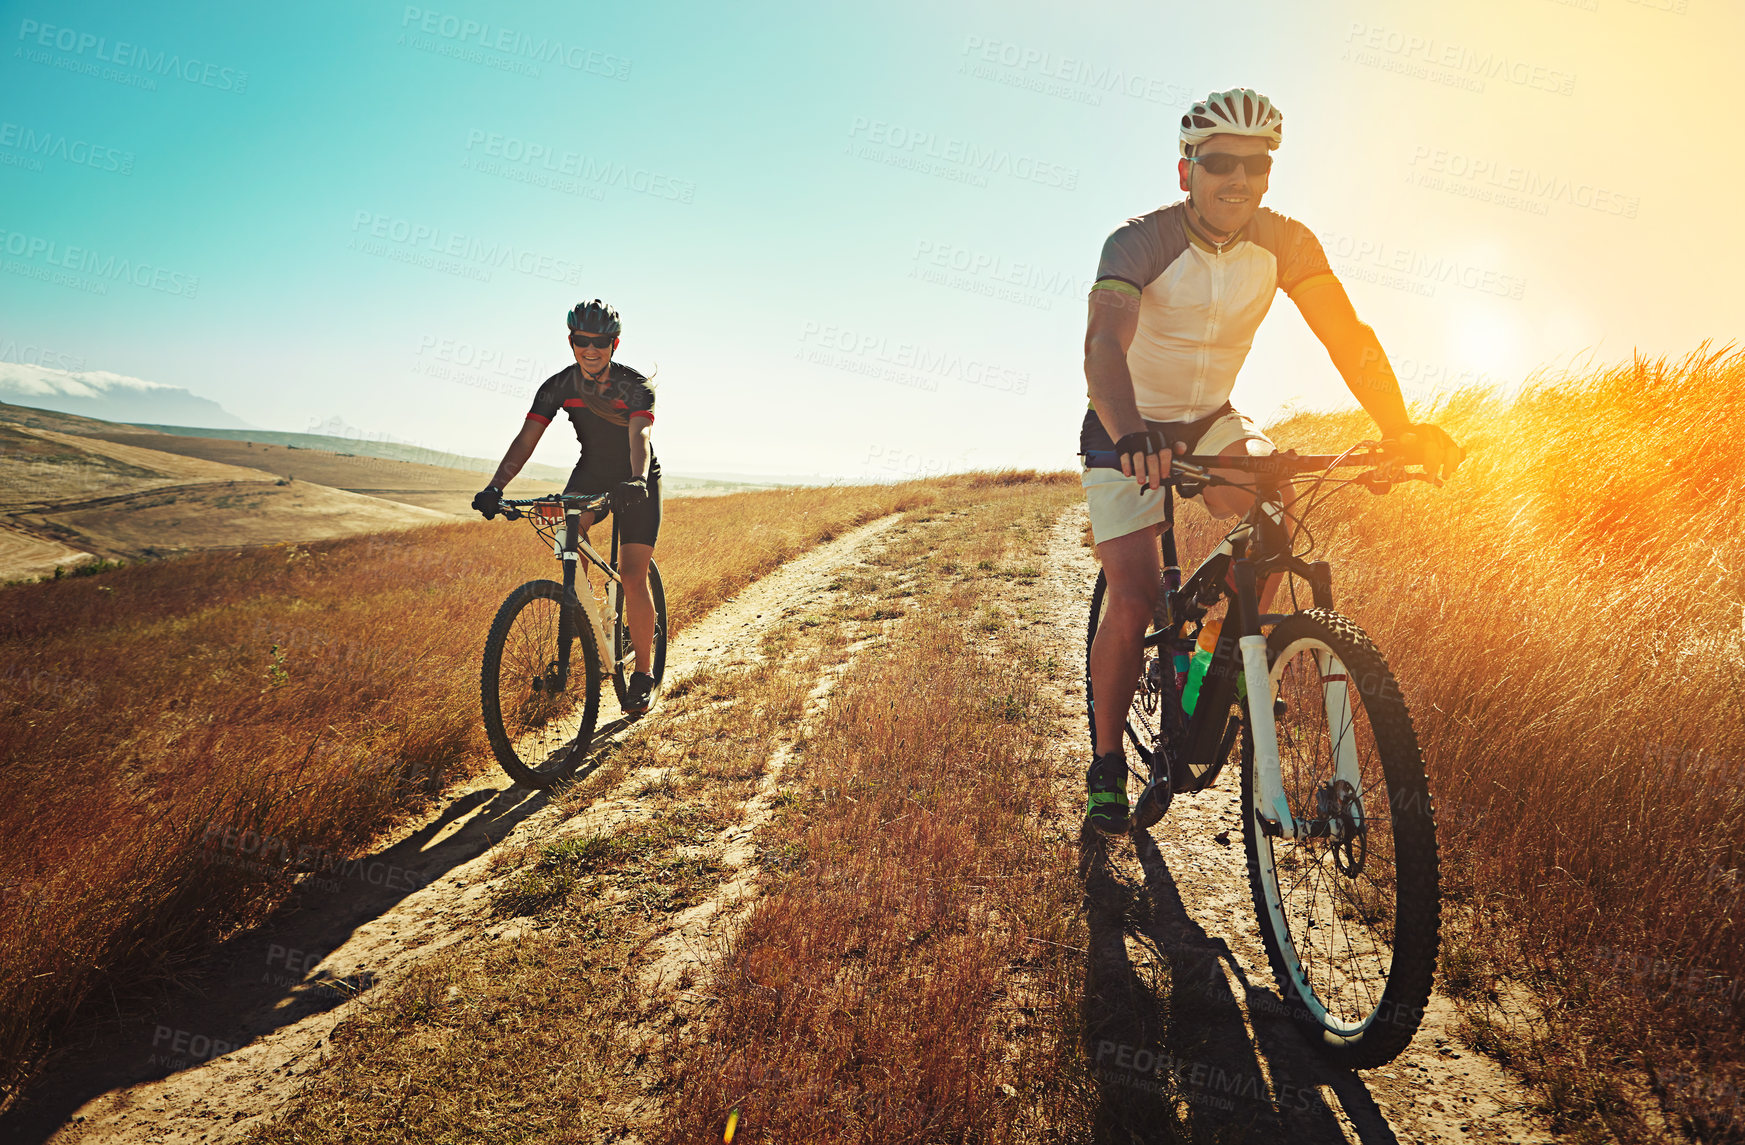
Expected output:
(605, 443)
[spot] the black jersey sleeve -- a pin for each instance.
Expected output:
(632, 394)
(547, 400)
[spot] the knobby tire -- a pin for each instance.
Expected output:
(1394, 786)
(530, 763)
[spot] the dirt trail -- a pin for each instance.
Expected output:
(1202, 922)
(287, 983)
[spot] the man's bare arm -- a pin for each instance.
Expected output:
(1114, 319)
(1356, 353)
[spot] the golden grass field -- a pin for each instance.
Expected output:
(1566, 619)
(310, 692)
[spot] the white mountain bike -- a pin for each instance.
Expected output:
(1337, 820)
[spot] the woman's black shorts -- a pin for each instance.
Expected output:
(637, 526)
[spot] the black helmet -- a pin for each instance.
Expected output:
(595, 318)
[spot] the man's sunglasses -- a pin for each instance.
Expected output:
(599, 343)
(1223, 163)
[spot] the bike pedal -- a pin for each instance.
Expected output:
(1153, 804)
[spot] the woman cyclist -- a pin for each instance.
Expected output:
(611, 407)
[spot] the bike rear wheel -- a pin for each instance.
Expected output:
(624, 653)
(1350, 916)
(540, 685)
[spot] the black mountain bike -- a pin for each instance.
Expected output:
(540, 684)
(1337, 821)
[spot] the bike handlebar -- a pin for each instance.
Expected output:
(1286, 462)
(572, 503)
(1197, 468)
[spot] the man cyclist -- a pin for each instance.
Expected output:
(611, 407)
(1178, 295)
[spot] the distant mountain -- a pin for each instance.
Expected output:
(111, 397)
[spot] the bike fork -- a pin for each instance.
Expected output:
(1336, 696)
(1272, 808)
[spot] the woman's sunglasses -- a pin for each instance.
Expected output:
(1222, 163)
(599, 343)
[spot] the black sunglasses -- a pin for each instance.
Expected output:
(1223, 163)
(599, 343)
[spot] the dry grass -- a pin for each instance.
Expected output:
(1567, 621)
(904, 971)
(913, 856)
(183, 738)
(598, 1059)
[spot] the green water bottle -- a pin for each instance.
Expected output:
(1200, 662)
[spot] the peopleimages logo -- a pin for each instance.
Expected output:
(589, 171)
(994, 275)
(29, 355)
(138, 62)
(466, 36)
(948, 157)
(1451, 64)
(1495, 180)
(437, 248)
(1373, 260)
(88, 270)
(80, 152)
(906, 363)
(1078, 80)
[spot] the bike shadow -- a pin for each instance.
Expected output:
(1166, 1040)
(263, 979)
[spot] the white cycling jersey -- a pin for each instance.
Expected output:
(1199, 304)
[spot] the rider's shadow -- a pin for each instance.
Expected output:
(1172, 1056)
(265, 978)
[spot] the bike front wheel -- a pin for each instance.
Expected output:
(624, 653)
(1350, 908)
(540, 685)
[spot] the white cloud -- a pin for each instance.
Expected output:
(42, 381)
(110, 397)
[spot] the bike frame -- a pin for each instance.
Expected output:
(569, 546)
(1256, 548)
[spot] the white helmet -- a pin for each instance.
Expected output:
(1239, 111)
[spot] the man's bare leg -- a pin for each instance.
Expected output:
(1224, 502)
(1131, 565)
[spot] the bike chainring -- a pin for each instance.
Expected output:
(1150, 686)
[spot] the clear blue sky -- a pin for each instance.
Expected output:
(854, 239)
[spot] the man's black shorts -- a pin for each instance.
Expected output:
(1093, 438)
